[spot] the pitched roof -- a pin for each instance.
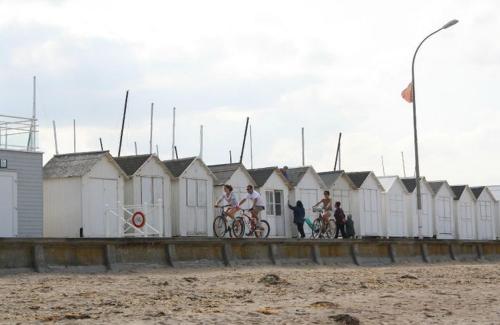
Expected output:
(261, 175)
(495, 191)
(358, 178)
(73, 164)
(458, 190)
(436, 186)
(330, 177)
(130, 164)
(410, 183)
(387, 181)
(223, 172)
(294, 175)
(477, 190)
(178, 166)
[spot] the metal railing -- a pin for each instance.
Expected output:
(18, 133)
(122, 225)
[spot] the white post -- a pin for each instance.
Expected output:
(33, 131)
(173, 135)
(55, 136)
(74, 135)
(383, 168)
(403, 159)
(303, 154)
(157, 151)
(151, 132)
(251, 148)
(201, 141)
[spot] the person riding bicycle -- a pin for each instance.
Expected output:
(327, 206)
(231, 200)
(258, 203)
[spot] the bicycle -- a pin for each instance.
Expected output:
(224, 224)
(259, 231)
(319, 229)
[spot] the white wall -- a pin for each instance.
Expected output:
(62, 207)
(465, 216)
(284, 223)
(197, 172)
(427, 212)
(106, 171)
(393, 218)
(444, 223)
(341, 191)
(364, 200)
(485, 210)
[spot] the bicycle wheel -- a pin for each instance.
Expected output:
(316, 228)
(238, 228)
(262, 229)
(330, 229)
(220, 227)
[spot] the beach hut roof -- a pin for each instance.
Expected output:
(223, 172)
(75, 164)
(261, 175)
(131, 164)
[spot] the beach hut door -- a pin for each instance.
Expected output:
(8, 211)
(444, 215)
(196, 191)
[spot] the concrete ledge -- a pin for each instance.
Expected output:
(60, 254)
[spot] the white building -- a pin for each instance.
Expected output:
(495, 190)
(394, 207)
(82, 195)
(465, 212)
(340, 187)
(444, 223)
(271, 183)
(148, 189)
(192, 195)
(308, 187)
(235, 175)
(366, 207)
(426, 217)
(485, 211)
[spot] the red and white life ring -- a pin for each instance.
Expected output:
(138, 219)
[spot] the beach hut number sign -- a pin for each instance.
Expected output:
(138, 219)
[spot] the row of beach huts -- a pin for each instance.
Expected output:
(93, 194)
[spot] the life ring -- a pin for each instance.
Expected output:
(138, 219)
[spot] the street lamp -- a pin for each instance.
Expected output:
(417, 168)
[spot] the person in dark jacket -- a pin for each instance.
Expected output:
(299, 214)
(349, 227)
(339, 220)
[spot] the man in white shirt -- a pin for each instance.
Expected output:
(258, 204)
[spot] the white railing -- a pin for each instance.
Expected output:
(119, 221)
(18, 133)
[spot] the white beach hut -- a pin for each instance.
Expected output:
(308, 187)
(495, 190)
(271, 183)
(82, 195)
(465, 212)
(444, 223)
(340, 187)
(235, 175)
(394, 210)
(192, 195)
(148, 189)
(366, 207)
(411, 206)
(485, 211)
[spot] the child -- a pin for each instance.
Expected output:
(299, 214)
(350, 227)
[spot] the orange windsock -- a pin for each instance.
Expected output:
(407, 93)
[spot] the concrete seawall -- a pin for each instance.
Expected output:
(47, 254)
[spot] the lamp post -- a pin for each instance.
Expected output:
(417, 168)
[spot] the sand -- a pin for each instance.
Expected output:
(424, 294)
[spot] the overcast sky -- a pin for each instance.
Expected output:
(327, 66)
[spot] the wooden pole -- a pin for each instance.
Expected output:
(151, 131)
(303, 154)
(337, 155)
(100, 141)
(74, 135)
(55, 136)
(123, 124)
(244, 140)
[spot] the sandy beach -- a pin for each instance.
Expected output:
(430, 294)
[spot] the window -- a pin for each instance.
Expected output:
(196, 192)
(274, 203)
